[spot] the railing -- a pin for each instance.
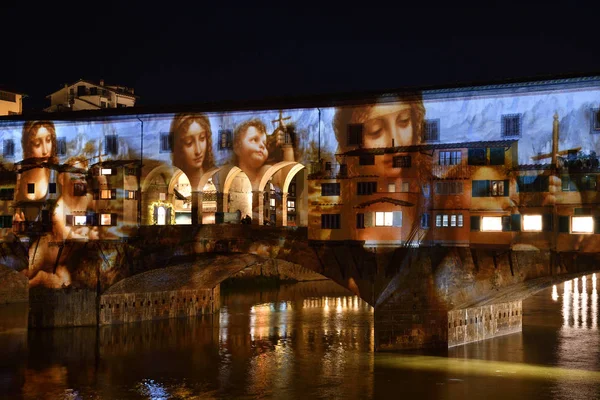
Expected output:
(451, 171)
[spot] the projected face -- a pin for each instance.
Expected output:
(41, 143)
(252, 149)
(387, 124)
(193, 147)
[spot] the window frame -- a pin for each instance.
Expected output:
(508, 123)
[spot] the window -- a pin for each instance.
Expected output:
(166, 142)
(162, 196)
(578, 183)
(6, 221)
(121, 105)
(425, 220)
(391, 187)
(94, 91)
(272, 202)
(401, 162)
(444, 220)
(595, 123)
(426, 190)
(511, 125)
(52, 187)
(79, 189)
(405, 187)
(366, 188)
(103, 104)
(431, 130)
(582, 224)
(330, 189)
(459, 221)
(447, 188)
(131, 195)
(225, 139)
(496, 156)
(130, 171)
(79, 220)
(106, 171)
(532, 223)
(108, 194)
(450, 158)
(355, 134)
(449, 220)
(477, 156)
(7, 194)
(491, 224)
(529, 184)
(497, 188)
(111, 144)
(106, 219)
(291, 205)
(360, 221)
(61, 146)
(384, 218)
(9, 148)
(31, 188)
(368, 159)
(330, 221)
(388, 218)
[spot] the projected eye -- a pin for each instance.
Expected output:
(374, 129)
(403, 119)
(188, 142)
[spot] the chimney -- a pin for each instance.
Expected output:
(101, 82)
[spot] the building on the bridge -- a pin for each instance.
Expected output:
(509, 165)
(87, 95)
(11, 102)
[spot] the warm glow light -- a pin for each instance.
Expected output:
(532, 223)
(582, 224)
(80, 220)
(105, 219)
(384, 218)
(491, 224)
(105, 171)
(554, 293)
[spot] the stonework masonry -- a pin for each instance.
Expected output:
(485, 322)
(14, 287)
(62, 307)
(132, 307)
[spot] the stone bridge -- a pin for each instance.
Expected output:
(422, 297)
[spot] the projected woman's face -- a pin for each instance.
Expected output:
(41, 143)
(193, 146)
(387, 125)
(252, 150)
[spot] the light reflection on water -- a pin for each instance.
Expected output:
(310, 340)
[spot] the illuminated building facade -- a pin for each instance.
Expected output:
(510, 165)
(11, 103)
(87, 95)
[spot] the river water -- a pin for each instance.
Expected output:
(303, 341)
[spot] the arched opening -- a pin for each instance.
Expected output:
(161, 215)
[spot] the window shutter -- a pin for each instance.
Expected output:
(547, 223)
(506, 187)
(596, 224)
(113, 219)
(156, 214)
(96, 194)
(95, 219)
(475, 223)
(516, 222)
(397, 218)
(496, 156)
(360, 221)
(563, 223)
(506, 223)
(113, 194)
(368, 219)
(89, 219)
(69, 220)
(168, 216)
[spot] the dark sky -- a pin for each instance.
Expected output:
(180, 55)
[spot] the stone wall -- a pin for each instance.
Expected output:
(14, 287)
(278, 269)
(485, 322)
(61, 307)
(132, 307)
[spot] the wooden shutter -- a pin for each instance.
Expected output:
(547, 223)
(168, 216)
(113, 194)
(563, 223)
(360, 221)
(397, 218)
(156, 215)
(516, 222)
(596, 224)
(506, 187)
(475, 223)
(506, 223)
(113, 219)
(89, 219)
(69, 220)
(368, 219)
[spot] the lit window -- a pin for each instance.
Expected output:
(105, 194)
(272, 202)
(497, 188)
(105, 219)
(582, 224)
(131, 194)
(162, 196)
(391, 187)
(453, 220)
(460, 220)
(532, 223)
(384, 218)
(405, 187)
(438, 220)
(291, 205)
(106, 171)
(444, 220)
(79, 220)
(491, 224)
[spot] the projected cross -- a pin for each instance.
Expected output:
(281, 128)
(555, 152)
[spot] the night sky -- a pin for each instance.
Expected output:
(202, 53)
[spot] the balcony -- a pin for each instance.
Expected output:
(451, 171)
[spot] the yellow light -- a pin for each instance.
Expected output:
(532, 223)
(554, 293)
(582, 224)
(491, 224)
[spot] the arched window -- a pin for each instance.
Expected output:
(161, 216)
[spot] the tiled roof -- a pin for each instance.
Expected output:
(533, 167)
(425, 147)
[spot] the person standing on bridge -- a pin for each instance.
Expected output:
(192, 146)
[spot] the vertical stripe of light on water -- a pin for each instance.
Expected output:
(594, 303)
(584, 302)
(566, 302)
(575, 295)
